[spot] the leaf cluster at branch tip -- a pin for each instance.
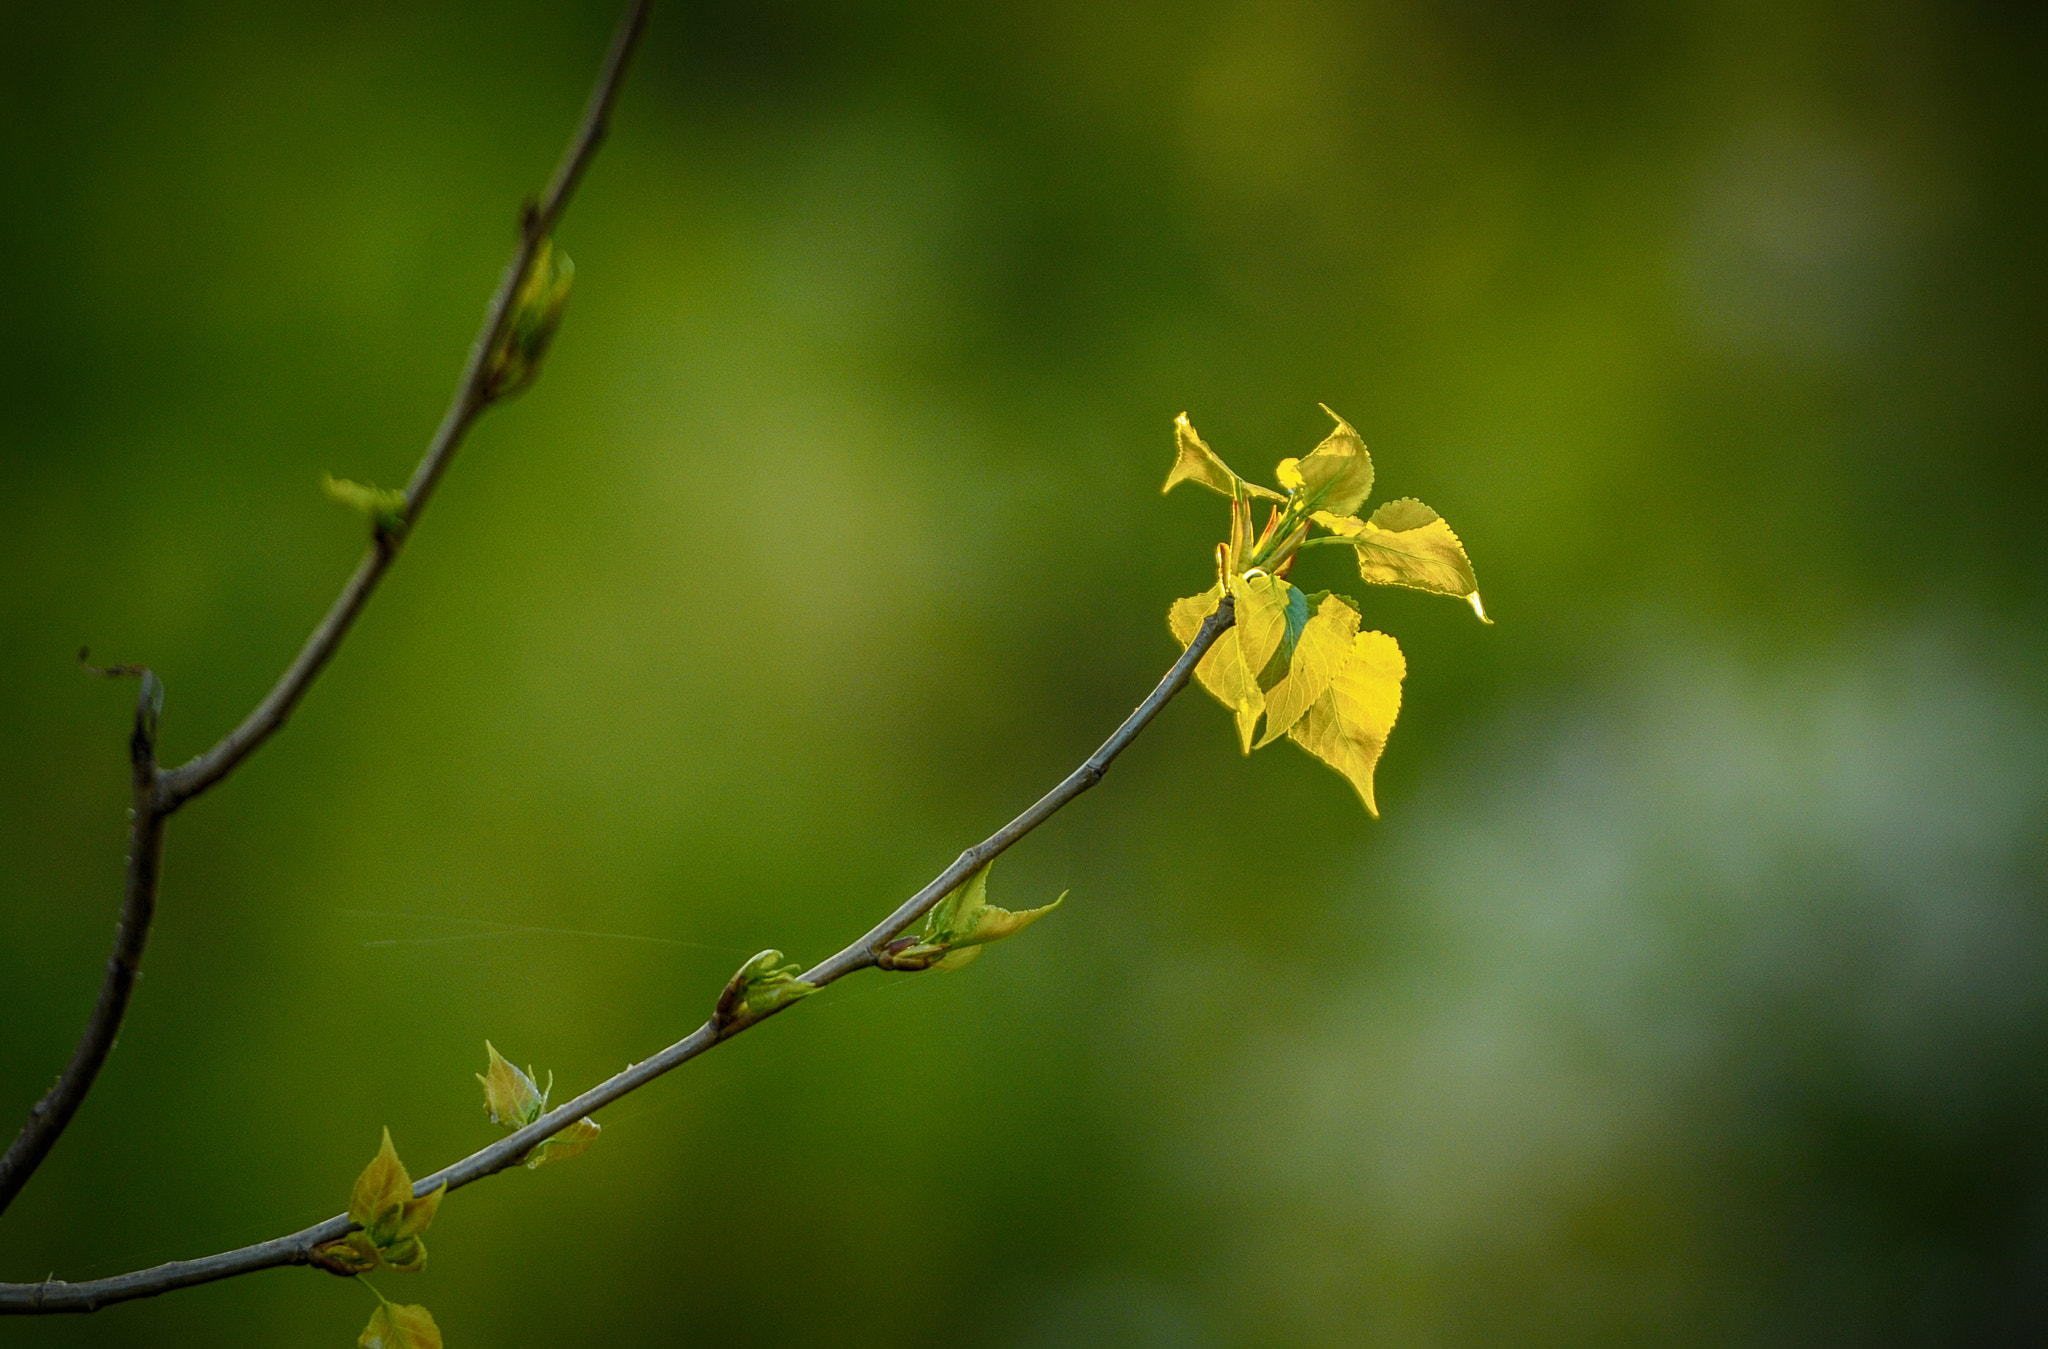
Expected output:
(1298, 664)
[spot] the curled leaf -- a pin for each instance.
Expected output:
(1195, 462)
(400, 1327)
(959, 926)
(571, 1141)
(761, 986)
(407, 1255)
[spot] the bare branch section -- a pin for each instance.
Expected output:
(159, 793)
(295, 1249)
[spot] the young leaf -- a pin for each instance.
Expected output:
(1325, 645)
(381, 1192)
(510, 1098)
(758, 988)
(391, 1219)
(1196, 462)
(400, 1327)
(1405, 543)
(407, 1255)
(1337, 475)
(572, 1141)
(536, 314)
(960, 925)
(384, 506)
(1348, 726)
(348, 1256)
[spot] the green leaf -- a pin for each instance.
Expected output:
(572, 1141)
(1347, 727)
(1405, 543)
(510, 1097)
(400, 1327)
(760, 986)
(960, 924)
(407, 1255)
(1325, 645)
(1337, 475)
(1195, 462)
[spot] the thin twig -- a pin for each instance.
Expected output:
(58, 1296)
(158, 794)
(181, 784)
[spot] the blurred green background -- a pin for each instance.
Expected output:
(1693, 988)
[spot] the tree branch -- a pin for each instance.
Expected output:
(48, 1117)
(295, 1249)
(471, 398)
(158, 794)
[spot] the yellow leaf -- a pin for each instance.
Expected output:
(571, 1141)
(1229, 671)
(1195, 462)
(1185, 617)
(1222, 669)
(510, 1098)
(1336, 476)
(1405, 543)
(381, 1191)
(395, 1327)
(1261, 625)
(1347, 727)
(1288, 474)
(1321, 650)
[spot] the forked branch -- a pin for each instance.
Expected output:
(159, 793)
(297, 1248)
